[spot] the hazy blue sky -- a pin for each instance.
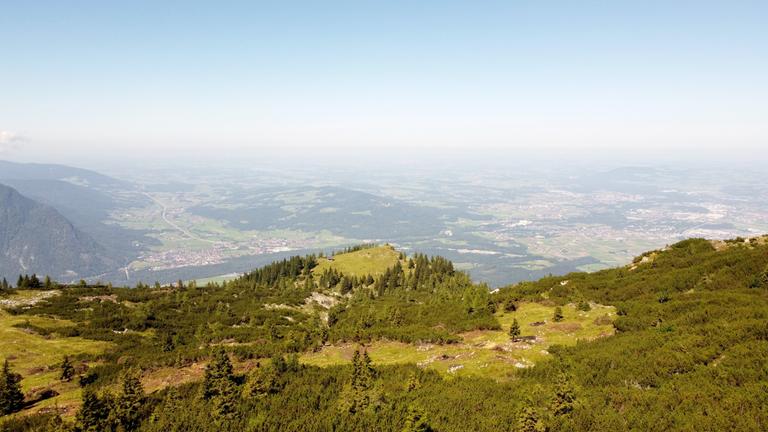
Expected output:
(140, 78)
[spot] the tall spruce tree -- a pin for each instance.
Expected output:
(218, 371)
(226, 401)
(367, 371)
(130, 401)
(94, 413)
(358, 395)
(11, 396)
(220, 386)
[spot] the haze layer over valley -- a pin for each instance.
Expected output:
(501, 225)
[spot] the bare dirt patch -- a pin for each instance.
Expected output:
(323, 300)
(164, 377)
(102, 298)
(567, 327)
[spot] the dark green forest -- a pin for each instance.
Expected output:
(690, 351)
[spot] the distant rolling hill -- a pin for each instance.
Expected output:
(35, 238)
(35, 171)
(346, 212)
(85, 197)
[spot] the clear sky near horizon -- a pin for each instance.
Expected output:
(206, 79)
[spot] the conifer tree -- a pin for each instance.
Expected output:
(514, 330)
(355, 368)
(368, 373)
(563, 401)
(413, 383)
(279, 363)
(262, 381)
(226, 402)
(168, 344)
(67, 370)
(558, 316)
(220, 387)
(359, 393)
(130, 401)
(56, 424)
(356, 395)
(93, 414)
(219, 370)
(416, 421)
(169, 415)
(11, 396)
(510, 305)
(528, 420)
(293, 364)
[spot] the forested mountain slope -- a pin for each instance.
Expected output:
(86, 198)
(677, 340)
(36, 238)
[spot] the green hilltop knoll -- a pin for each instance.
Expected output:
(360, 261)
(370, 338)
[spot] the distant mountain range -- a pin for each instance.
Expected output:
(85, 199)
(35, 238)
(35, 171)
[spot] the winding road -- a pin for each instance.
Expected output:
(173, 225)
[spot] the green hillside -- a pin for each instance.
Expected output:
(367, 261)
(485, 353)
(36, 349)
(677, 340)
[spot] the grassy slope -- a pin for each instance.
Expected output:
(217, 279)
(37, 357)
(481, 353)
(485, 353)
(373, 261)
